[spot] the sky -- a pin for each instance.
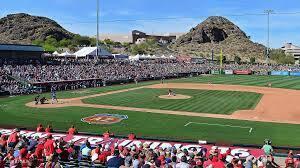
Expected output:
(123, 16)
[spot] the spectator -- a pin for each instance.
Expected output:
(86, 151)
(49, 147)
(183, 163)
(40, 128)
(13, 138)
(268, 149)
(289, 161)
(115, 160)
(49, 129)
(72, 130)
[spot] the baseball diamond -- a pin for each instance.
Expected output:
(258, 108)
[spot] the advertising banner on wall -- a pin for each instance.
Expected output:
(280, 73)
(215, 72)
(228, 72)
(95, 140)
(294, 73)
(242, 72)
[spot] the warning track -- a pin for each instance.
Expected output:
(277, 105)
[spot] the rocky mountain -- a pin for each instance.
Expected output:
(214, 33)
(23, 29)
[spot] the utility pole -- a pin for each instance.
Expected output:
(97, 40)
(268, 12)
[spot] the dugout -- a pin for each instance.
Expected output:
(20, 54)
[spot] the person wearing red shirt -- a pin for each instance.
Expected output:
(289, 161)
(131, 136)
(49, 129)
(40, 128)
(72, 130)
(13, 138)
(218, 164)
(49, 146)
(39, 151)
(63, 153)
(103, 156)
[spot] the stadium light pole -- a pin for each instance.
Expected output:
(97, 40)
(268, 12)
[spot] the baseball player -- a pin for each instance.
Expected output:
(53, 95)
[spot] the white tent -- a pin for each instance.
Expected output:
(84, 52)
(172, 57)
(66, 54)
(55, 53)
(154, 57)
(92, 52)
(137, 57)
(163, 57)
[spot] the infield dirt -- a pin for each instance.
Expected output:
(276, 105)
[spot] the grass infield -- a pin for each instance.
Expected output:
(204, 101)
(13, 112)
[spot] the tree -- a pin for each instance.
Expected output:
(81, 40)
(38, 42)
(280, 57)
(237, 59)
(65, 42)
(252, 60)
(51, 41)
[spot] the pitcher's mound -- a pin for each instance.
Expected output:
(178, 96)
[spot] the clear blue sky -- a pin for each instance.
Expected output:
(79, 16)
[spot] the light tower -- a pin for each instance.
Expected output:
(268, 12)
(97, 40)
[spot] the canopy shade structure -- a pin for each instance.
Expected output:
(55, 53)
(92, 52)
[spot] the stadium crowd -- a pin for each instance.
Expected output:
(21, 152)
(82, 72)
(108, 71)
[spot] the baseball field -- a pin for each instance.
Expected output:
(225, 109)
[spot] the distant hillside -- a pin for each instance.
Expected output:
(23, 29)
(215, 33)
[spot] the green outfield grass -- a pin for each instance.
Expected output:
(13, 112)
(288, 82)
(204, 101)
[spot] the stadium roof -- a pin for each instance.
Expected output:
(18, 47)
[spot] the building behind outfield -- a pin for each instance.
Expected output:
(293, 50)
(20, 54)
